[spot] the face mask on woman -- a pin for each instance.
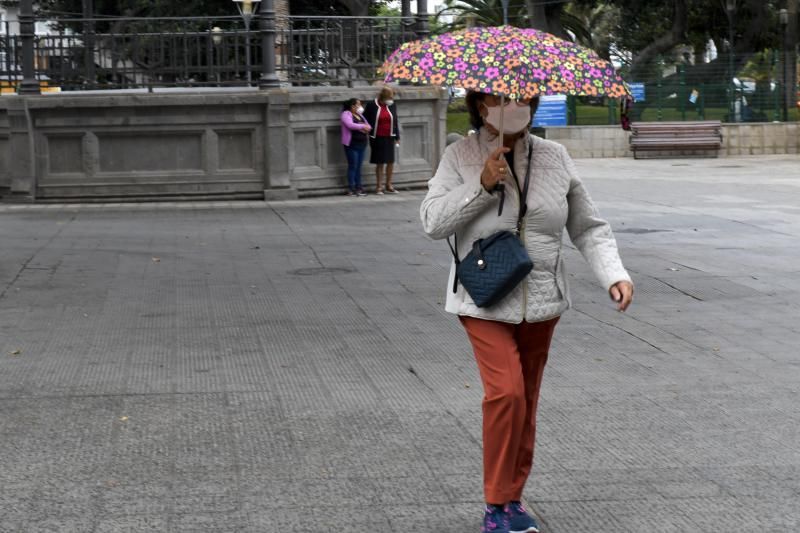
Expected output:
(389, 102)
(515, 117)
(359, 110)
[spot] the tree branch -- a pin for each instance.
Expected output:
(663, 43)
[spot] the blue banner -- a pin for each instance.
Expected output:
(637, 89)
(552, 111)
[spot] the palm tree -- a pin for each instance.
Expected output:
(587, 26)
(482, 13)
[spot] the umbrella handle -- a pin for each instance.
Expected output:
(502, 112)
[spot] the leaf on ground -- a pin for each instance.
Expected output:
(156, 260)
(123, 419)
(16, 352)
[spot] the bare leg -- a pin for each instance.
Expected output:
(378, 178)
(389, 172)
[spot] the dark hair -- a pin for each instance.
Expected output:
(474, 98)
(349, 103)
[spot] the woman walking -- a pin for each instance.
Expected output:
(382, 116)
(354, 140)
(511, 339)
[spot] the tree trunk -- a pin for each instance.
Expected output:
(662, 43)
(545, 17)
(357, 8)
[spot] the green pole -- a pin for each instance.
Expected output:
(777, 108)
(701, 109)
(572, 111)
(612, 107)
(659, 116)
(682, 93)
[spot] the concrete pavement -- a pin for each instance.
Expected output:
(289, 367)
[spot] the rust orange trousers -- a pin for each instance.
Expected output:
(511, 360)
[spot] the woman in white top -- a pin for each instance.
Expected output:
(511, 339)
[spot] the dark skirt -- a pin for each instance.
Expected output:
(382, 150)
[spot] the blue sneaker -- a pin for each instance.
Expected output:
(519, 519)
(495, 519)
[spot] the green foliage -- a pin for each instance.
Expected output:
(316, 8)
(383, 8)
(458, 122)
(140, 8)
(485, 12)
(585, 25)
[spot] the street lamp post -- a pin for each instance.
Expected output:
(784, 19)
(730, 9)
(246, 10)
(27, 30)
(88, 40)
(269, 79)
(216, 40)
(422, 19)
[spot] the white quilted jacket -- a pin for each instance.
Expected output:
(457, 203)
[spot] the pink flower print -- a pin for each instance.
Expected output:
(538, 74)
(492, 72)
(461, 66)
(426, 63)
(595, 72)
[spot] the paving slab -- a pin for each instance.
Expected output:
(272, 367)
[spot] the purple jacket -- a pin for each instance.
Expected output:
(348, 125)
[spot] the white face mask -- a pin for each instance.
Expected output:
(389, 102)
(515, 117)
(359, 110)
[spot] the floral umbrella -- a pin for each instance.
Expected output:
(517, 63)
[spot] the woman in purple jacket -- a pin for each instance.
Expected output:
(354, 139)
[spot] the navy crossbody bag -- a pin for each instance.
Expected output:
(498, 263)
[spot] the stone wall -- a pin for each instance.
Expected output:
(257, 144)
(591, 141)
(761, 138)
(199, 144)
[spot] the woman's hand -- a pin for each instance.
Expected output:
(367, 127)
(495, 169)
(622, 293)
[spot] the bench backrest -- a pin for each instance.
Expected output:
(713, 127)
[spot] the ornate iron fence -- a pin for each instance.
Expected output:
(124, 53)
(338, 50)
(121, 53)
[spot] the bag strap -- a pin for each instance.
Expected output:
(523, 206)
(457, 260)
(523, 209)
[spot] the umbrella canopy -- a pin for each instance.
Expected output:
(514, 62)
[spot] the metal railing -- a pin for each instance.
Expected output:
(339, 50)
(135, 52)
(143, 52)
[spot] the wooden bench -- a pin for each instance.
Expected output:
(676, 136)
